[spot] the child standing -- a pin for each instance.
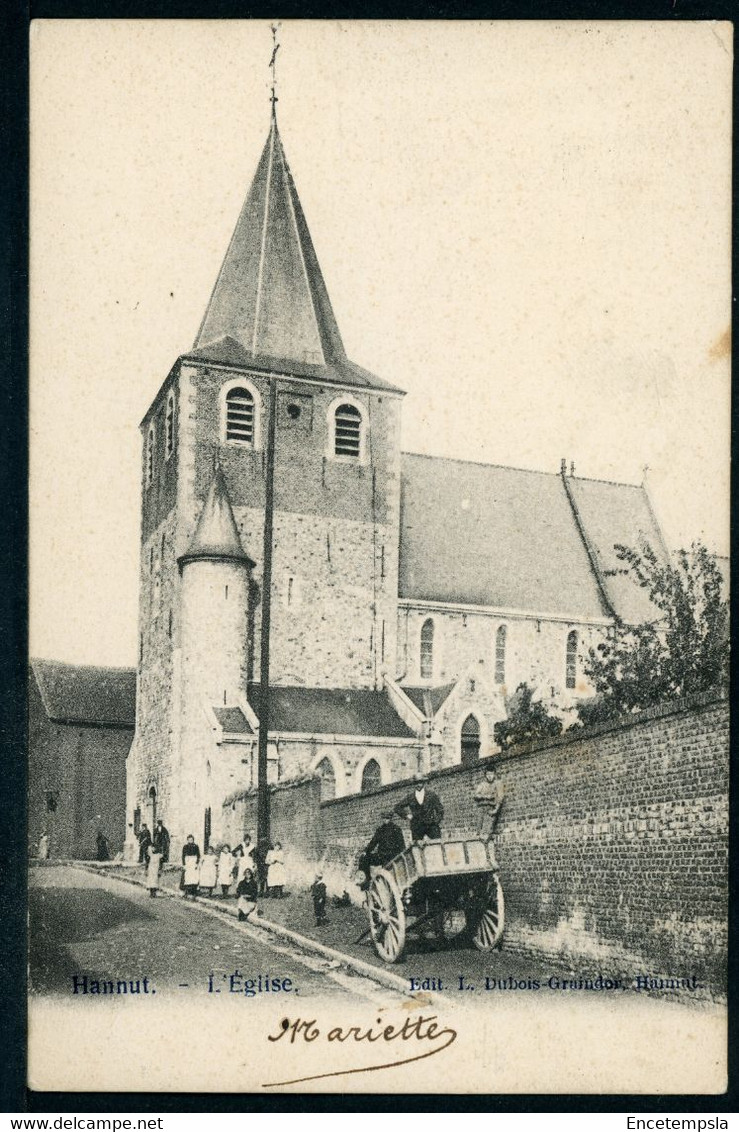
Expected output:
(208, 865)
(226, 866)
(153, 867)
(318, 892)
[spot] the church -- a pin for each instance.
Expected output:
(410, 595)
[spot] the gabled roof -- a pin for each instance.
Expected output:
(483, 534)
(331, 711)
(74, 693)
(429, 700)
(216, 534)
(232, 720)
(270, 307)
(618, 514)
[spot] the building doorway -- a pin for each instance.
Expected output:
(151, 809)
(470, 741)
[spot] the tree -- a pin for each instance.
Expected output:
(685, 649)
(528, 720)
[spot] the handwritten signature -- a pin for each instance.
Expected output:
(421, 1029)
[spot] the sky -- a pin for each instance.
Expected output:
(525, 225)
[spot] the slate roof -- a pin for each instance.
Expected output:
(618, 514)
(429, 700)
(484, 534)
(232, 720)
(74, 693)
(216, 534)
(331, 711)
(270, 308)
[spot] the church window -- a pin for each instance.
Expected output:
(500, 643)
(371, 776)
(325, 772)
(240, 416)
(470, 741)
(150, 457)
(427, 650)
(571, 660)
(347, 431)
(169, 427)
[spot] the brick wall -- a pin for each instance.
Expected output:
(612, 842)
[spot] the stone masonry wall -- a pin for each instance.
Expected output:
(612, 843)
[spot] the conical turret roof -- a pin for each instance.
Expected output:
(216, 534)
(270, 307)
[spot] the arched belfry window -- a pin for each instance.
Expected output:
(348, 431)
(470, 741)
(427, 650)
(169, 427)
(150, 442)
(571, 660)
(500, 643)
(239, 424)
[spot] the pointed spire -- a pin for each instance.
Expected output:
(216, 534)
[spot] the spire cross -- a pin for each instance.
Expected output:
(272, 63)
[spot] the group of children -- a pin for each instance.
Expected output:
(250, 873)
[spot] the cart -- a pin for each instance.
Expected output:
(450, 887)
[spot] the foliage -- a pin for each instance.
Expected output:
(685, 649)
(528, 720)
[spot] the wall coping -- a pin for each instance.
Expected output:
(698, 701)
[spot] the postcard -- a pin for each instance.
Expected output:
(379, 583)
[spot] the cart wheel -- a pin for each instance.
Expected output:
(489, 929)
(386, 916)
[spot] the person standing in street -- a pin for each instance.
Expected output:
(208, 870)
(190, 870)
(260, 860)
(144, 843)
(153, 868)
(161, 840)
(226, 866)
(275, 862)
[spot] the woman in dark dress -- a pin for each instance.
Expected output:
(191, 872)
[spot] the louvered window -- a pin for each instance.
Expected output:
(427, 650)
(150, 457)
(348, 431)
(169, 428)
(571, 661)
(500, 642)
(240, 416)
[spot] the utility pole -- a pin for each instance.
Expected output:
(263, 814)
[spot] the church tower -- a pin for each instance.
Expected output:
(268, 329)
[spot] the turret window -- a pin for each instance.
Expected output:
(500, 643)
(240, 416)
(427, 650)
(571, 660)
(150, 441)
(169, 427)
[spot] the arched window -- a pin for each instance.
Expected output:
(470, 741)
(325, 771)
(371, 776)
(169, 427)
(500, 640)
(150, 441)
(348, 431)
(151, 806)
(239, 424)
(427, 650)
(571, 660)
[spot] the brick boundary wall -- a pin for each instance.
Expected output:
(612, 843)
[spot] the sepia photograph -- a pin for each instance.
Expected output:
(379, 581)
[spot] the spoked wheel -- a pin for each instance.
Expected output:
(386, 916)
(490, 916)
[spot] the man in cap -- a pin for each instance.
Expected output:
(386, 843)
(425, 810)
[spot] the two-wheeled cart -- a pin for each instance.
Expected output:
(449, 887)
